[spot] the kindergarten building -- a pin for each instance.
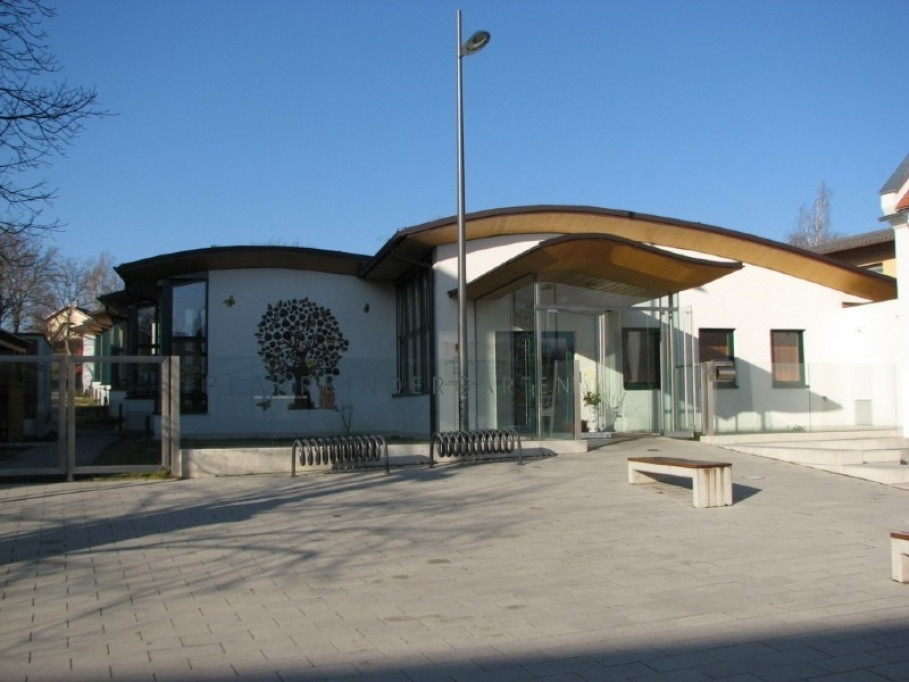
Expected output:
(579, 319)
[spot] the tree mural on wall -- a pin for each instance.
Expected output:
(301, 342)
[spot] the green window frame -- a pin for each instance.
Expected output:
(717, 344)
(787, 358)
(641, 358)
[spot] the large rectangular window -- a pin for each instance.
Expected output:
(787, 356)
(641, 358)
(146, 326)
(413, 333)
(189, 340)
(141, 380)
(717, 345)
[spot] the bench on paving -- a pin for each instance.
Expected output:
(711, 482)
(899, 550)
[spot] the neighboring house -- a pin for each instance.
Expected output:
(61, 328)
(895, 194)
(895, 207)
(874, 250)
(64, 330)
(563, 301)
(92, 332)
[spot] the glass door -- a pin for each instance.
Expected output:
(516, 365)
(536, 396)
(556, 404)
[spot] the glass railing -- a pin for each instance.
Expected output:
(120, 425)
(834, 397)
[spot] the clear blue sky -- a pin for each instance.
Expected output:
(331, 124)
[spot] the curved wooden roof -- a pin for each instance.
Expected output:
(415, 243)
(142, 276)
(613, 266)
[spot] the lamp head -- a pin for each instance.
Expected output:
(475, 43)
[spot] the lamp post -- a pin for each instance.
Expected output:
(475, 43)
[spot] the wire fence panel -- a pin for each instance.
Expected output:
(71, 415)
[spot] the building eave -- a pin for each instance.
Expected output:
(613, 266)
(416, 243)
(141, 277)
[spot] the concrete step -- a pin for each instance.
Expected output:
(801, 436)
(888, 474)
(878, 456)
(837, 453)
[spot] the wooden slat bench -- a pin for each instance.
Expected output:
(711, 482)
(899, 550)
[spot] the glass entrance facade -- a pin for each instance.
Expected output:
(555, 361)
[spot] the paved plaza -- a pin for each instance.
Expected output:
(556, 569)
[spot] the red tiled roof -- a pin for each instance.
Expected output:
(855, 241)
(904, 203)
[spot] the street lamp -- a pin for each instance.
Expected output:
(475, 43)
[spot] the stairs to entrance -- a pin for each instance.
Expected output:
(879, 456)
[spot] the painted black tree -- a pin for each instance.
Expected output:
(300, 342)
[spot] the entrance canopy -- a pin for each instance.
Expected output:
(620, 270)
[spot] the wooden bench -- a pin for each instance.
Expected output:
(711, 482)
(899, 551)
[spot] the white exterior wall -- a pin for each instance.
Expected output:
(89, 347)
(899, 221)
(240, 398)
(851, 353)
(849, 357)
(863, 358)
(483, 255)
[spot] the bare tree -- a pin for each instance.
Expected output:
(74, 286)
(26, 270)
(813, 223)
(99, 278)
(36, 281)
(38, 118)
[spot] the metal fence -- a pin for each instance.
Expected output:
(54, 423)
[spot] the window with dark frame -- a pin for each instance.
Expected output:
(717, 344)
(641, 358)
(413, 333)
(141, 380)
(189, 340)
(787, 356)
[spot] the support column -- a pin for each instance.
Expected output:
(901, 243)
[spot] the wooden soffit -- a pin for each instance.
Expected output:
(413, 244)
(611, 265)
